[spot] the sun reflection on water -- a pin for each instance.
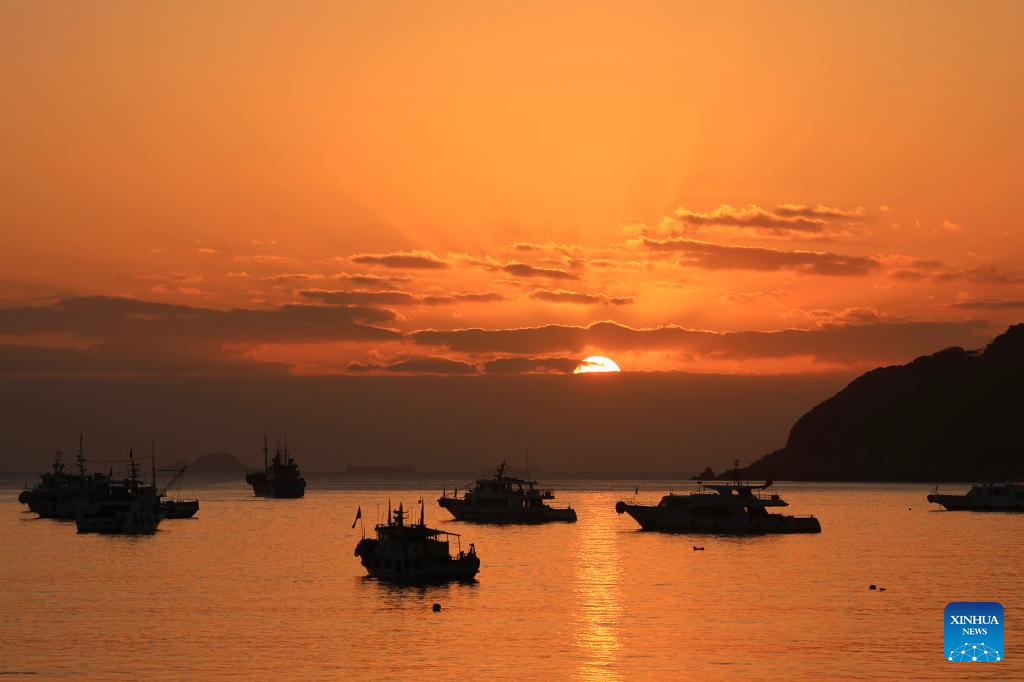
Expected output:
(599, 601)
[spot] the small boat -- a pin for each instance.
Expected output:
(986, 497)
(180, 509)
(59, 493)
(734, 508)
(177, 508)
(505, 499)
(414, 553)
(280, 476)
(123, 507)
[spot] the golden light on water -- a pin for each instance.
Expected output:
(596, 363)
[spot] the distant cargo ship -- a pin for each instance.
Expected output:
(280, 476)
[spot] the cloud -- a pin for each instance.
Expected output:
(989, 305)
(395, 298)
(819, 211)
(783, 219)
(402, 260)
(530, 365)
(831, 341)
(563, 296)
(416, 365)
(133, 335)
(524, 270)
(985, 274)
(709, 256)
(543, 246)
(368, 280)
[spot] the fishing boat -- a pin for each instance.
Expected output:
(280, 476)
(501, 498)
(123, 507)
(733, 508)
(175, 507)
(413, 553)
(59, 493)
(986, 497)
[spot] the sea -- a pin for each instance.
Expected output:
(270, 589)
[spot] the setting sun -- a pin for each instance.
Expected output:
(596, 363)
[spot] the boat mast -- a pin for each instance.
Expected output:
(81, 457)
(152, 458)
(265, 464)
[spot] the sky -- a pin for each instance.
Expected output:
(406, 188)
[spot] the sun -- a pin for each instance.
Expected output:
(596, 363)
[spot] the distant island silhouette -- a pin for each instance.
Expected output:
(954, 415)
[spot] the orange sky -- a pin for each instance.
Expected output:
(725, 187)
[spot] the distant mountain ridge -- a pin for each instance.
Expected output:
(955, 415)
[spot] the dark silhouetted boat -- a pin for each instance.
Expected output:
(732, 508)
(505, 499)
(986, 497)
(176, 507)
(59, 493)
(122, 507)
(280, 476)
(414, 553)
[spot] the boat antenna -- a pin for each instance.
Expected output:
(527, 462)
(736, 470)
(265, 465)
(421, 512)
(152, 457)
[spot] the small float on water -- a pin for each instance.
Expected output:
(413, 553)
(733, 508)
(986, 497)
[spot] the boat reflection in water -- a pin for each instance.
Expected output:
(413, 553)
(719, 508)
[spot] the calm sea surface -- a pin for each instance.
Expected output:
(268, 589)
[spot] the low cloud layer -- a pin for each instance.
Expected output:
(402, 260)
(841, 343)
(708, 256)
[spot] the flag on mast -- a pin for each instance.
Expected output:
(359, 515)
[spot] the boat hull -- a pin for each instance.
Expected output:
(281, 488)
(409, 570)
(181, 509)
(977, 503)
(659, 519)
(465, 512)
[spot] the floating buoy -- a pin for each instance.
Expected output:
(436, 607)
(698, 549)
(872, 587)
(881, 589)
